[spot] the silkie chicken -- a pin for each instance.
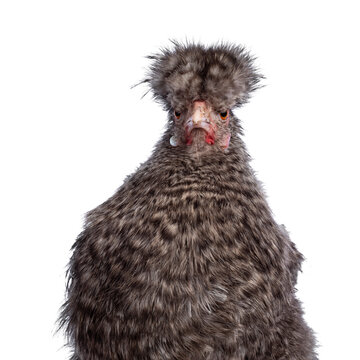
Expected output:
(185, 261)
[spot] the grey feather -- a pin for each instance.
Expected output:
(185, 260)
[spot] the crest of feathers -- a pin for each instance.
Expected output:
(223, 74)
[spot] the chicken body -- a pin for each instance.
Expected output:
(185, 261)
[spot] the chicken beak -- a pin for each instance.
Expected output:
(200, 113)
(200, 118)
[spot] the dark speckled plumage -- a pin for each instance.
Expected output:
(185, 260)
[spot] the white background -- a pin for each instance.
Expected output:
(72, 129)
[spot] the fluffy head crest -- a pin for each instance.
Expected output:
(222, 74)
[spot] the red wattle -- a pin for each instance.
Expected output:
(209, 139)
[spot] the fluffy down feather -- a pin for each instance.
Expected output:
(222, 74)
(185, 261)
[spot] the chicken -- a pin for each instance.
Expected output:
(185, 261)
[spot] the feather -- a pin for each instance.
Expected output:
(185, 260)
(223, 74)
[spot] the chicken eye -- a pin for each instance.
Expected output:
(224, 114)
(177, 114)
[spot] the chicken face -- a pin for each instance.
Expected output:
(198, 86)
(202, 126)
